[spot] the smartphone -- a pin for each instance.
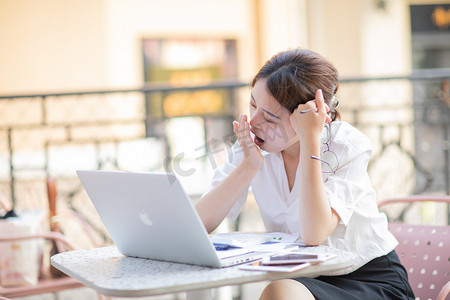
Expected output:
(295, 258)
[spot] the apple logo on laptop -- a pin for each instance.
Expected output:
(145, 218)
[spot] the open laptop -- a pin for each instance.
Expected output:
(148, 215)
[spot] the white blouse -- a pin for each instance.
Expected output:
(362, 230)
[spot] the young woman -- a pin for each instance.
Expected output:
(308, 173)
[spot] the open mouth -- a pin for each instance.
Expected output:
(258, 141)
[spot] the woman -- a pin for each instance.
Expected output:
(308, 173)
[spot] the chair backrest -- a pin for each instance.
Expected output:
(425, 253)
(424, 250)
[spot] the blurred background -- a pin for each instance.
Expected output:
(147, 85)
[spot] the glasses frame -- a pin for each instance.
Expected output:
(327, 143)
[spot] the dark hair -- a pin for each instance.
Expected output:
(294, 76)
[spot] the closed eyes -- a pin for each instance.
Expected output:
(268, 116)
(267, 119)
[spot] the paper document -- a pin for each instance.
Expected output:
(257, 266)
(268, 248)
(243, 239)
(288, 261)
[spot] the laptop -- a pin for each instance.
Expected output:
(148, 215)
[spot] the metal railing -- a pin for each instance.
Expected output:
(407, 119)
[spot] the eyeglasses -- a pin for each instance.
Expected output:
(329, 159)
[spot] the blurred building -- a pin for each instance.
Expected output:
(53, 45)
(71, 73)
(79, 45)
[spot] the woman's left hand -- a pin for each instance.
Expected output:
(308, 119)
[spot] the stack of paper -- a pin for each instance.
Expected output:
(288, 261)
(276, 244)
(237, 243)
(243, 239)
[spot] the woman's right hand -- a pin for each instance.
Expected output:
(252, 156)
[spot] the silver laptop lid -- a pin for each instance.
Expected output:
(148, 215)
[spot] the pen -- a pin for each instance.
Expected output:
(307, 110)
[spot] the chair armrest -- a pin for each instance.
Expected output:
(43, 286)
(444, 292)
(57, 236)
(415, 198)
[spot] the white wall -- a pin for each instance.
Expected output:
(386, 39)
(283, 25)
(51, 45)
(359, 38)
(81, 44)
(130, 21)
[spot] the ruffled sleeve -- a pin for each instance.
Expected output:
(350, 181)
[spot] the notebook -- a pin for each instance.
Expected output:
(148, 215)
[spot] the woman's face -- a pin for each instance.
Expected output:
(269, 121)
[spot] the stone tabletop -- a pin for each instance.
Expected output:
(111, 273)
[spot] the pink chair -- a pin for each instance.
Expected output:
(51, 281)
(424, 250)
(44, 285)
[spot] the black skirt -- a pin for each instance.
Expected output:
(382, 278)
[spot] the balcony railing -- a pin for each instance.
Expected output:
(407, 119)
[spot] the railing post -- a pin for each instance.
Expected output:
(11, 167)
(445, 147)
(44, 110)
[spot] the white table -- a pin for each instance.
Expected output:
(110, 273)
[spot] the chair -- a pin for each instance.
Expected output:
(424, 250)
(52, 282)
(44, 285)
